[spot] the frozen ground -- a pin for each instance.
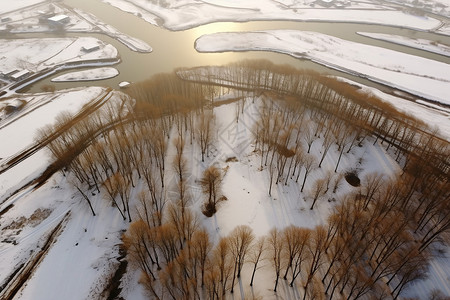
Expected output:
(419, 76)
(440, 7)
(186, 14)
(37, 54)
(18, 131)
(17, 4)
(421, 44)
(88, 75)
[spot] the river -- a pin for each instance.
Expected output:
(173, 49)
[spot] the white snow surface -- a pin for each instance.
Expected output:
(42, 111)
(78, 264)
(421, 44)
(7, 6)
(420, 76)
(88, 75)
(38, 54)
(18, 132)
(180, 15)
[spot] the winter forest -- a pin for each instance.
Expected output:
(156, 152)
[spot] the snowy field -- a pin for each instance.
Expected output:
(419, 76)
(187, 14)
(38, 54)
(421, 44)
(17, 4)
(88, 75)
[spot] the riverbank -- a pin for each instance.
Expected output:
(190, 14)
(40, 58)
(425, 78)
(37, 19)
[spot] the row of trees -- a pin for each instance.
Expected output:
(368, 247)
(330, 97)
(284, 134)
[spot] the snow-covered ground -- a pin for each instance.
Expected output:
(246, 186)
(88, 75)
(17, 4)
(420, 76)
(18, 131)
(421, 44)
(186, 14)
(38, 54)
(440, 7)
(79, 263)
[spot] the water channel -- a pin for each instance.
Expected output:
(173, 49)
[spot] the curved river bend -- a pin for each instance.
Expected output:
(173, 49)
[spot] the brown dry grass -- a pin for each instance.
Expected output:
(35, 218)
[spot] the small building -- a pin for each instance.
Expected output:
(90, 48)
(58, 20)
(20, 75)
(8, 73)
(5, 19)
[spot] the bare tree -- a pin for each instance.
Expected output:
(316, 250)
(309, 163)
(294, 242)
(137, 241)
(201, 246)
(328, 140)
(371, 185)
(256, 253)
(336, 182)
(308, 134)
(223, 261)
(317, 191)
(240, 240)
(205, 131)
(342, 135)
(111, 189)
(276, 247)
(79, 187)
(211, 184)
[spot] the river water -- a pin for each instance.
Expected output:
(173, 49)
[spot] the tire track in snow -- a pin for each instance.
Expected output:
(21, 275)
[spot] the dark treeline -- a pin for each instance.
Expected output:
(377, 241)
